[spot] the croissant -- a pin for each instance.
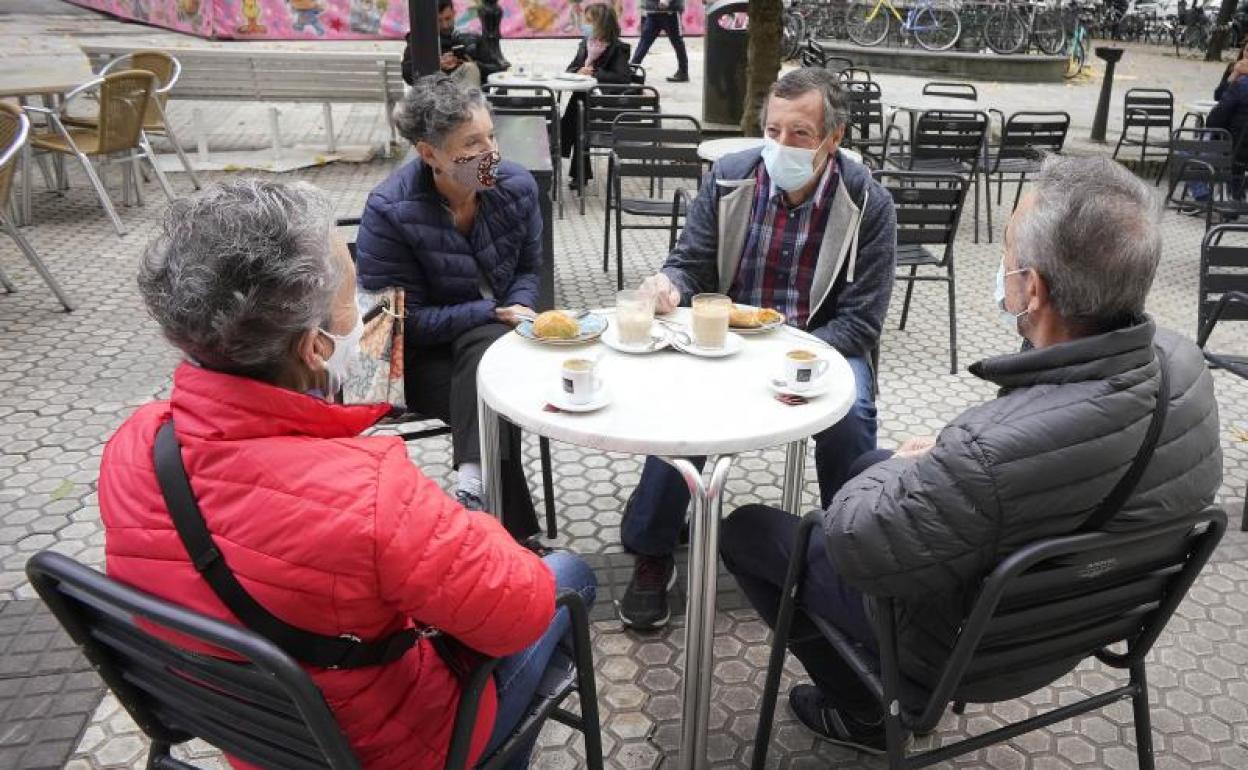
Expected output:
(555, 325)
(743, 317)
(767, 315)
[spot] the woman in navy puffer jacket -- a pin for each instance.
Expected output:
(461, 232)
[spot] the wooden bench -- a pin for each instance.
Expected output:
(232, 74)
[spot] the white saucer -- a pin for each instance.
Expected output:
(817, 388)
(732, 345)
(557, 398)
(611, 338)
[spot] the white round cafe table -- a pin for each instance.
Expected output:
(553, 81)
(672, 405)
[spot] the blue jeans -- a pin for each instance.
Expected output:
(654, 23)
(656, 511)
(518, 677)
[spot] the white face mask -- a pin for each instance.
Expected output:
(791, 168)
(1008, 320)
(345, 359)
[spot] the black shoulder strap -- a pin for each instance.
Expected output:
(346, 651)
(1117, 497)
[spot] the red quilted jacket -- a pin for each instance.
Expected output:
(333, 533)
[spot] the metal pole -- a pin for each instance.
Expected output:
(422, 36)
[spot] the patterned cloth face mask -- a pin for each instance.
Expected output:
(476, 172)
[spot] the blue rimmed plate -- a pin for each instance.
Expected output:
(591, 328)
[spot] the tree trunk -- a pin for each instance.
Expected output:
(763, 63)
(1221, 31)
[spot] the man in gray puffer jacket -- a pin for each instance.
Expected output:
(1073, 407)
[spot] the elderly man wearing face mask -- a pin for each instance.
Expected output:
(461, 232)
(798, 227)
(1071, 414)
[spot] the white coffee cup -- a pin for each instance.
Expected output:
(802, 369)
(579, 380)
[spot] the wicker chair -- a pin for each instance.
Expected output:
(14, 131)
(117, 134)
(167, 70)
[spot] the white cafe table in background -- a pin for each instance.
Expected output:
(554, 81)
(672, 405)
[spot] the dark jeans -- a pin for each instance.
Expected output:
(656, 511)
(518, 678)
(654, 23)
(441, 381)
(756, 543)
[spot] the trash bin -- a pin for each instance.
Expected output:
(723, 62)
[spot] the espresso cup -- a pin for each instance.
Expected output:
(802, 369)
(579, 380)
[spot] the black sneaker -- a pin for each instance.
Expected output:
(833, 725)
(679, 77)
(469, 500)
(644, 606)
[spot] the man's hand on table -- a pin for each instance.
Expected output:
(666, 296)
(513, 314)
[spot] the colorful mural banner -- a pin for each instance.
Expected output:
(362, 19)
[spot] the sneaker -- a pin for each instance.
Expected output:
(679, 77)
(833, 725)
(469, 500)
(644, 606)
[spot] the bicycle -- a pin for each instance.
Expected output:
(1008, 31)
(933, 23)
(1076, 48)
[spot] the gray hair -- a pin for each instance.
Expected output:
(434, 107)
(239, 270)
(801, 81)
(1093, 232)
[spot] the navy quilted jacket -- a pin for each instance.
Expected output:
(408, 238)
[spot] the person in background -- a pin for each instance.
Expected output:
(332, 531)
(663, 16)
(460, 230)
(1073, 407)
(604, 57)
(457, 51)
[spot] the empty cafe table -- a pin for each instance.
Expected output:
(671, 405)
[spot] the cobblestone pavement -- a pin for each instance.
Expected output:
(67, 381)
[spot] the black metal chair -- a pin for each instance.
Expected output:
(539, 102)
(435, 427)
(263, 708)
(929, 209)
(1212, 158)
(1042, 610)
(949, 142)
(603, 104)
(951, 90)
(653, 147)
(1025, 139)
(1223, 296)
(865, 131)
(1150, 111)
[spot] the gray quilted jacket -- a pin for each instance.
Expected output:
(1032, 463)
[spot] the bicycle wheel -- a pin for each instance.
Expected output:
(1048, 32)
(1076, 57)
(937, 27)
(1005, 31)
(866, 22)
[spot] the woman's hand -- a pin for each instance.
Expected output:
(586, 70)
(513, 314)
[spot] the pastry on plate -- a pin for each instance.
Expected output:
(555, 325)
(743, 317)
(768, 315)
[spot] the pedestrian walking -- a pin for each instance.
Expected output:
(663, 16)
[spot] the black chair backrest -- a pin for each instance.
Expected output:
(526, 100)
(951, 90)
(928, 207)
(1148, 108)
(1223, 268)
(656, 146)
(850, 74)
(950, 136)
(265, 710)
(866, 112)
(603, 103)
(1058, 601)
(1031, 134)
(1200, 154)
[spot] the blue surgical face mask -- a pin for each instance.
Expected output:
(791, 168)
(1008, 319)
(587, 31)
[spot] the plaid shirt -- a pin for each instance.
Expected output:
(782, 247)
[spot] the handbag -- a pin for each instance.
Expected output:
(378, 376)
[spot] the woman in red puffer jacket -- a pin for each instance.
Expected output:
(332, 532)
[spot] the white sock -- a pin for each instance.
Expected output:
(470, 480)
